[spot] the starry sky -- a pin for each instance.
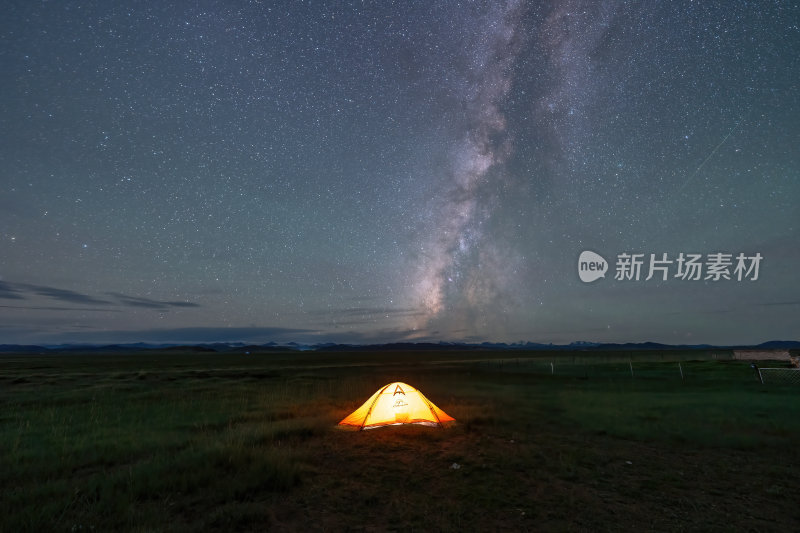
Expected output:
(385, 171)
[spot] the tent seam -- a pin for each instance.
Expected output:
(369, 411)
(433, 411)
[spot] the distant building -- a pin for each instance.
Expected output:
(762, 355)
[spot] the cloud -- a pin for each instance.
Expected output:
(136, 301)
(357, 316)
(382, 336)
(21, 291)
(365, 312)
(190, 335)
(8, 292)
(63, 295)
(75, 334)
(53, 308)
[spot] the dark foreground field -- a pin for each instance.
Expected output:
(187, 442)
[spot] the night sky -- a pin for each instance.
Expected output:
(391, 171)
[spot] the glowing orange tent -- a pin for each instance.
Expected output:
(396, 403)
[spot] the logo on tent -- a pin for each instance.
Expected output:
(398, 390)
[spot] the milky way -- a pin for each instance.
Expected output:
(458, 274)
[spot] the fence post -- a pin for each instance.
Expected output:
(681, 369)
(630, 363)
(552, 370)
(758, 371)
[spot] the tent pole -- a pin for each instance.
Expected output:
(369, 411)
(433, 412)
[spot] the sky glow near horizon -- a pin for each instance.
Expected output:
(391, 171)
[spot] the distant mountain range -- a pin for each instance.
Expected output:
(239, 347)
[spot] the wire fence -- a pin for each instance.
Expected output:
(595, 370)
(779, 376)
(713, 367)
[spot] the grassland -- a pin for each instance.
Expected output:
(561, 441)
